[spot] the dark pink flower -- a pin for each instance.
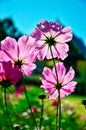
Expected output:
(22, 53)
(54, 103)
(34, 109)
(8, 74)
(51, 34)
(51, 84)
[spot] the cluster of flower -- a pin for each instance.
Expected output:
(48, 40)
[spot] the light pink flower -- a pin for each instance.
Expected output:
(51, 34)
(22, 53)
(8, 74)
(51, 84)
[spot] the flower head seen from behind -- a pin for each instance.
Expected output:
(64, 82)
(9, 75)
(22, 53)
(51, 34)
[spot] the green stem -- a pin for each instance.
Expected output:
(28, 101)
(58, 110)
(41, 118)
(54, 62)
(56, 116)
(7, 110)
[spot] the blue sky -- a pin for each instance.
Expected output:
(27, 13)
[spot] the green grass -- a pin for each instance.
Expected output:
(73, 112)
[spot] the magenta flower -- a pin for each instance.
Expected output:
(51, 84)
(22, 53)
(51, 34)
(8, 74)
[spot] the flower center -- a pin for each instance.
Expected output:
(50, 40)
(58, 86)
(19, 63)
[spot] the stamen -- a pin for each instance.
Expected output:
(50, 40)
(19, 63)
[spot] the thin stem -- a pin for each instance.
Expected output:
(41, 118)
(7, 110)
(29, 105)
(57, 80)
(54, 62)
(56, 116)
(59, 109)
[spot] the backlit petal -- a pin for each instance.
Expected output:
(69, 76)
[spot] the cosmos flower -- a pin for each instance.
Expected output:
(8, 74)
(22, 53)
(51, 83)
(51, 36)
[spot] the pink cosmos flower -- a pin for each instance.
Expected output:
(8, 74)
(22, 53)
(51, 35)
(51, 84)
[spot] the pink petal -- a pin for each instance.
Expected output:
(4, 57)
(26, 46)
(61, 70)
(7, 66)
(54, 95)
(69, 76)
(65, 36)
(70, 86)
(48, 75)
(42, 52)
(63, 93)
(29, 58)
(48, 89)
(9, 46)
(27, 69)
(62, 49)
(15, 75)
(68, 89)
(54, 51)
(45, 82)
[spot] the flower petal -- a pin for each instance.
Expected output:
(15, 75)
(45, 82)
(70, 86)
(48, 89)
(54, 52)
(54, 95)
(28, 68)
(69, 76)
(26, 46)
(42, 52)
(9, 46)
(65, 35)
(61, 70)
(4, 56)
(62, 49)
(48, 75)
(7, 66)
